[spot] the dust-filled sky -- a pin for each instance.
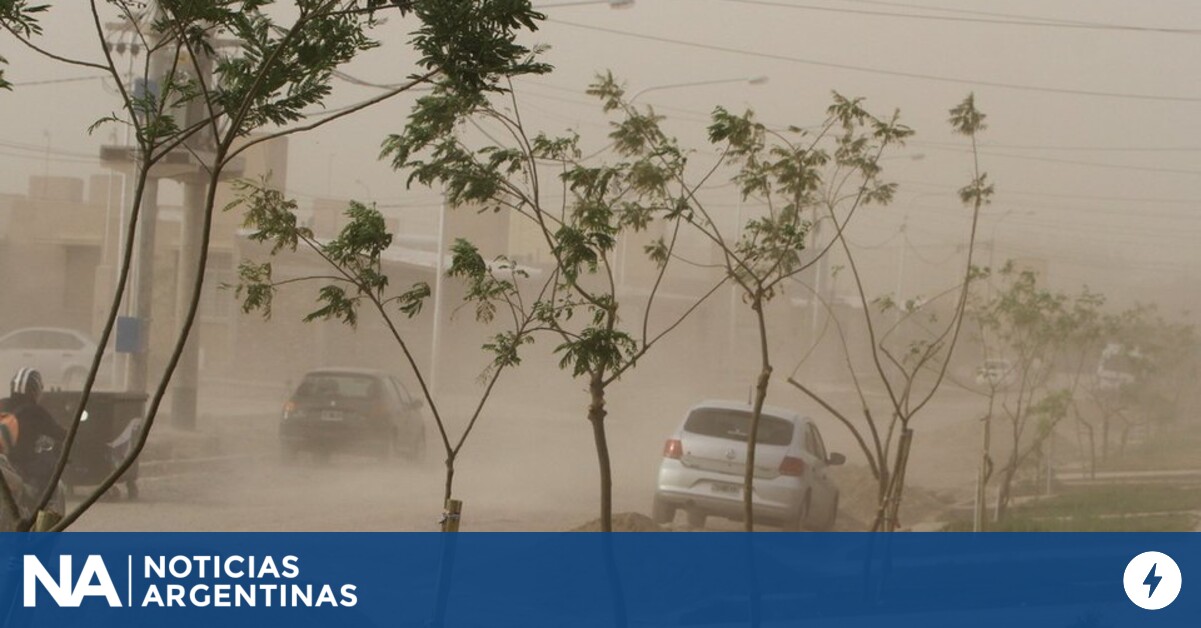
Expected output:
(1094, 141)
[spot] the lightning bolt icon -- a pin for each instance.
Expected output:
(1152, 580)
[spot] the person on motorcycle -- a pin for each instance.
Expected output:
(35, 452)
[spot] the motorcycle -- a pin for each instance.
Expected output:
(26, 493)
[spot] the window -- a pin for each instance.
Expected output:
(22, 340)
(338, 385)
(736, 425)
(61, 341)
(401, 391)
(815, 444)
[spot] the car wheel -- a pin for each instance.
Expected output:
(696, 518)
(662, 512)
(798, 522)
(833, 518)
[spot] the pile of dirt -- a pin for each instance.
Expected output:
(857, 500)
(623, 522)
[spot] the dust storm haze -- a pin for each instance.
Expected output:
(1091, 145)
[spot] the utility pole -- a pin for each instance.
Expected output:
(195, 187)
(143, 303)
(128, 159)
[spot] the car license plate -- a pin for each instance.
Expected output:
(331, 415)
(727, 489)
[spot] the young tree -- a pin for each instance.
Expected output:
(911, 373)
(1143, 366)
(1039, 332)
(210, 99)
(596, 206)
(803, 179)
(359, 279)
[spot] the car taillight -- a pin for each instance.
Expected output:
(289, 408)
(673, 449)
(792, 466)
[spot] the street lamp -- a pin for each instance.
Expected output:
(758, 79)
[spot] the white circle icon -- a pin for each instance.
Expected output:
(1152, 580)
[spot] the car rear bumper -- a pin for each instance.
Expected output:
(777, 498)
(331, 436)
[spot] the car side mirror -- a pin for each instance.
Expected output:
(836, 459)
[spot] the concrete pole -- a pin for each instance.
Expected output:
(186, 380)
(138, 364)
(439, 284)
(137, 370)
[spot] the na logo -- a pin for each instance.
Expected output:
(67, 591)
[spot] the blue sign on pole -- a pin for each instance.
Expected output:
(129, 335)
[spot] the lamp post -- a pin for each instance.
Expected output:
(758, 79)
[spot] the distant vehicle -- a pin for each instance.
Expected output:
(705, 459)
(1117, 366)
(352, 410)
(63, 356)
(995, 373)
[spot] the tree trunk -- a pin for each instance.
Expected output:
(978, 520)
(897, 485)
(748, 477)
(882, 483)
(1005, 490)
(450, 478)
(1124, 440)
(596, 416)
(1104, 437)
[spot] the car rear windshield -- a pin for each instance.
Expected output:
(736, 425)
(338, 385)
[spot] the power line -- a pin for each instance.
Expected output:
(1021, 21)
(1082, 197)
(1074, 162)
(1131, 149)
(76, 79)
(876, 71)
(926, 7)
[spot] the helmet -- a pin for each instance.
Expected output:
(27, 382)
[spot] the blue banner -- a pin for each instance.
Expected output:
(298, 580)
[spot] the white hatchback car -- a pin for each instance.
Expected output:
(63, 356)
(705, 459)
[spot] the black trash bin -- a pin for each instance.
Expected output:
(105, 436)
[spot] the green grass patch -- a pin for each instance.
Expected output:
(1114, 499)
(1109, 508)
(1176, 522)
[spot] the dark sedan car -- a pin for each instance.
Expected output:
(352, 410)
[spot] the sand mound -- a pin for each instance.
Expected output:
(623, 522)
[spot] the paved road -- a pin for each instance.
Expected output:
(527, 467)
